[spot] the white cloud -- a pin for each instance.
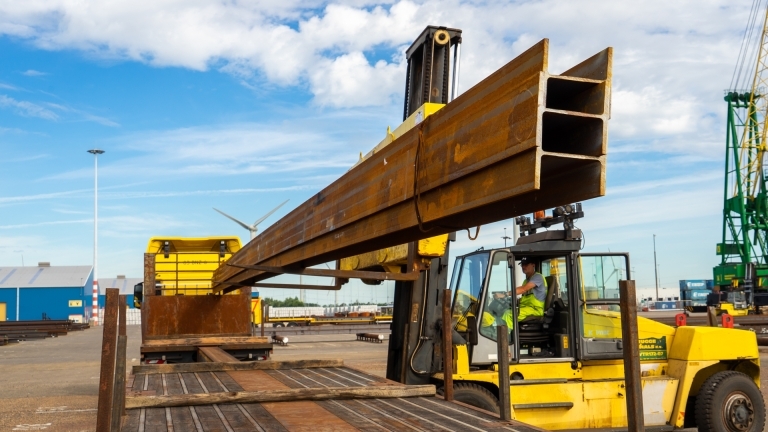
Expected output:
(33, 73)
(672, 58)
(27, 109)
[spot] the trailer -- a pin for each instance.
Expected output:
(179, 316)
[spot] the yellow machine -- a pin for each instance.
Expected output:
(566, 368)
(185, 265)
(180, 313)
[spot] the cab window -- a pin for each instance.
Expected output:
(497, 307)
(600, 276)
(468, 284)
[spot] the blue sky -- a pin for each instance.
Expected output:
(241, 105)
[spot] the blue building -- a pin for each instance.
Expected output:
(123, 283)
(45, 291)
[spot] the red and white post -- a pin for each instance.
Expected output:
(95, 303)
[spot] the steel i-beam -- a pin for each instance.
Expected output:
(519, 141)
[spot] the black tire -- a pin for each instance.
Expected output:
(476, 395)
(278, 325)
(292, 324)
(729, 401)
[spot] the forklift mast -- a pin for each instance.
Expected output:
(429, 67)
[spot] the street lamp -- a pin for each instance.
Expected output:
(95, 302)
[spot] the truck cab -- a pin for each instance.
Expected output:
(566, 362)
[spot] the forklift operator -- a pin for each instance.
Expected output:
(533, 291)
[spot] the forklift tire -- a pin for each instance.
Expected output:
(476, 395)
(729, 401)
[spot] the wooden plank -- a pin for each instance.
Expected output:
(497, 151)
(307, 416)
(131, 421)
(181, 417)
(155, 419)
(236, 419)
(228, 381)
(215, 355)
(232, 366)
(256, 380)
(280, 396)
(211, 383)
(266, 420)
(204, 341)
(206, 415)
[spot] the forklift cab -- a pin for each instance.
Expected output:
(580, 317)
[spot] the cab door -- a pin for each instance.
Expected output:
(597, 277)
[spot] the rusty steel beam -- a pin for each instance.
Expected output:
(519, 141)
(345, 274)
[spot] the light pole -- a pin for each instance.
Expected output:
(506, 237)
(655, 268)
(95, 302)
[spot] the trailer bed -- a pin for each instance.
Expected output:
(413, 413)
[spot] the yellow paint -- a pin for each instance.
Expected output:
(713, 343)
(392, 258)
(75, 303)
(596, 387)
(597, 402)
(190, 263)
(3, 315)
(256, 310)
(730, 310)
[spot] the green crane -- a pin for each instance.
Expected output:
(742, 275)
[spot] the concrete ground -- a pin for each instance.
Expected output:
(52, 384)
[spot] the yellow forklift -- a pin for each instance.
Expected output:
(566, 369)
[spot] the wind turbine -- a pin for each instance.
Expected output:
(252, 228)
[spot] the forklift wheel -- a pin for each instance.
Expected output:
(730, 401)
(475, 395)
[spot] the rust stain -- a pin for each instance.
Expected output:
(458, 154)
(303, 416)
(306, 417)
(256, 381)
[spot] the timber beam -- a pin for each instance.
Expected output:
(519, 141)
(287, 395)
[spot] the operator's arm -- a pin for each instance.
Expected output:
(523, 289)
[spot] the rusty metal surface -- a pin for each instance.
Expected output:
(189, 316)
(505, 147)
(108, 353)
(373, 275)
(447, 347)
(630, 338)
(332, 415)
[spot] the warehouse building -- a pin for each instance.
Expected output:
(45, 292)
(123, 283)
